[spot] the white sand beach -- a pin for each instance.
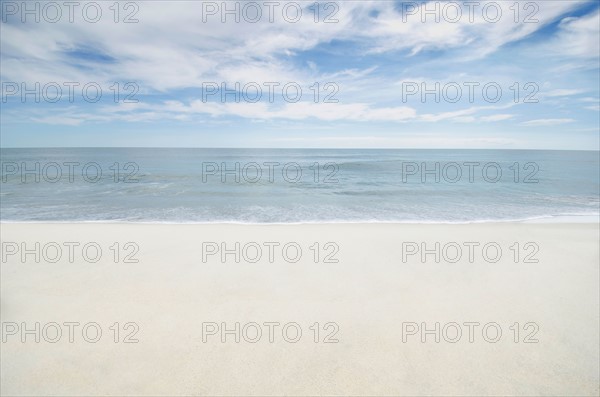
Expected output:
(367, 301)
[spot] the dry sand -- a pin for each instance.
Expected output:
(366, 299)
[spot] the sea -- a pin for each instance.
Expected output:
(265, 186)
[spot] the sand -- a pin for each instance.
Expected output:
(371, 306)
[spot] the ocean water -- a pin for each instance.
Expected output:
(295, 185)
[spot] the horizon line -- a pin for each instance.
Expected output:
(285, 148)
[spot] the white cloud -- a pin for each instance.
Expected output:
(546, 122)
(477, 36)
(60, 120)
(578, 37)
(172, 48)
(563, 92)
(297, 111)
(497, 117)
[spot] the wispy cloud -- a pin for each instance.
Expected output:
(546, 122)
(368, 53)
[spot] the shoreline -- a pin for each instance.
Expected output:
(552, 219)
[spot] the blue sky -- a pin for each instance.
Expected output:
(371, 53)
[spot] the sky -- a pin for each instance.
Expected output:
(303, 74)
